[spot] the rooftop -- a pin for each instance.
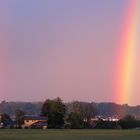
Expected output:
(35, 118)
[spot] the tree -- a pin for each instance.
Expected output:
(128, 122)
(76, 120)
(5, 119)
(81, 114)
(88, 111)
(19, 116)
(54, 110)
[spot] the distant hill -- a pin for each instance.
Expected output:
(30, 108)
(103, 109)
(112, 109)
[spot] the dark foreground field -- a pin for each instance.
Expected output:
(19, 134)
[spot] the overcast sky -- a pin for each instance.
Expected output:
(65, 48)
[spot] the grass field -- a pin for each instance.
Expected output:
(27, 134)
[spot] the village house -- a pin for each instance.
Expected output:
(35, 122)
(28, 122)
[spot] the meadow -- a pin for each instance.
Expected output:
(28, 134)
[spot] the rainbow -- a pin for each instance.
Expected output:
(127, 53)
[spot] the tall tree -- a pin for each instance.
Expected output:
(75, 118)
(55, 111)
(88, 111)
(19, 116)
(81, 114)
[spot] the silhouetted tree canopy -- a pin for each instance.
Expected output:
(19, 116)
(55, 111)
(128, 122)
(81, 114)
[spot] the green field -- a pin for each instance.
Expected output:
(27, 134)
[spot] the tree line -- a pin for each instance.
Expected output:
(80, 116)
(56, 111)
(106, 109)
(77, 116)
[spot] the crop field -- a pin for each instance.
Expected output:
(36, 134)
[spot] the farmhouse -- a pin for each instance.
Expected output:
(35, 122)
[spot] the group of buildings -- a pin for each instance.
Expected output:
(28, 122)
(42, 122)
